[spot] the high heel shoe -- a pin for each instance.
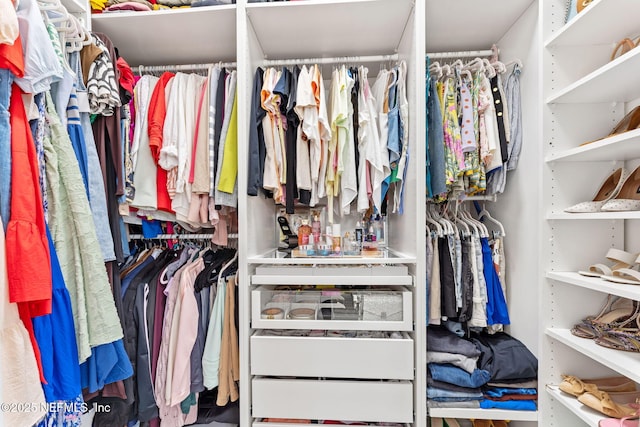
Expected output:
(608, 190)
(629, 122)
(628, 198)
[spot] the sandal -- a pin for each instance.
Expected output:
(621, 338)
(614, 405)
(608, 190)
(628, 276)
(622, 259)
(575, 386)
(617, 313)
(624, 421)
(628, 199)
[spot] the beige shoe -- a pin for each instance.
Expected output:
(608, 190)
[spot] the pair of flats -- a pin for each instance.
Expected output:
(619, 192)
(612, 396)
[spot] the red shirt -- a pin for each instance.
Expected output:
(156, 116)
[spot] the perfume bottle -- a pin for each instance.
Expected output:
(336, 244)
(359, 235)
(316, 226)
(304, 231)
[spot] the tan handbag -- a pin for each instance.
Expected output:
(581, 4)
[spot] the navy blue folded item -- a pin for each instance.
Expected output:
(499, 392)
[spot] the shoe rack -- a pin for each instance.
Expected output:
(585, 94)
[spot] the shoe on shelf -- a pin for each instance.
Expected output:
(620, 258)
(625, 338)
(624, 46)
(617, 405)
(576, 386)
(630, 421)
(627, 276)
(618, 312)
(608, 190)
(628, 198)
(629, 122)
(483, 423)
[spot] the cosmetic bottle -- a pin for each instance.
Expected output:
(316, 226)
(359, 234)
(304, 231)
(336, 239)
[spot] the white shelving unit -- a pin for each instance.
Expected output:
(249, 34)
(585, 95)
(181, 36)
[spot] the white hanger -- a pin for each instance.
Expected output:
(430, 220)
(491, 72)
(435, 70)
(484, 214)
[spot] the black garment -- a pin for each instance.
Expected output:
(217, 127)
(257, 150)
(505, 357)
(355, 90)
(498, 102)
(144, 406)
(443, 340)
(447, 280)
(284, 89)
(467, 281)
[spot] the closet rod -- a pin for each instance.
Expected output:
(335, 60)
(180, 236)
(461, 54)
(483, 198)
(184, 67)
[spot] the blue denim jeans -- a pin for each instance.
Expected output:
(448, 395)
(5, 147)
(454, 375)
(435, 141)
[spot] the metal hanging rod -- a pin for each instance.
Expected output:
(334, 60)
(482, 198)
(461, 54)
(180, 236)
(184, 67)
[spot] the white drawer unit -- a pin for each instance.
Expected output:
(335, 400)
(332, 357)
(368, 275)
(362, 310)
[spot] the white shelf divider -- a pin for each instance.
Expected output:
(603, 15)
(602, 85)
(625, 363)
(595, 215)
(484, 414)
(586, 414)
(596, 284)
(624, 146)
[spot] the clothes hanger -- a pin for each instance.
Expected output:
(458, 220)
(430, 220)
(484, 214)
(488, 68)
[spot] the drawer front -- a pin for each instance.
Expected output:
(368, 401)
(332, 357)
(332, 316)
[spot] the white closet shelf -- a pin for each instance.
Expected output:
(379, 25)
(167, 37)
(483, 414)
(468, 14)
(603, 15)
(75, 6)
(603, 84)
(595, 215)
(586, 414)
(338, 280)
(624, 146)
(625, 363)
(596, 284)
(269, 258)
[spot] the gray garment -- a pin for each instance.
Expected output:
(513, 100)
(473, 404)
(222, 198)
(520, 384)
(197, 379)
(441, 340)
(479, 313)
(429, 260)
(469, 364)
(435, 143)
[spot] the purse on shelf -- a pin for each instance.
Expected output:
(382, 306)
